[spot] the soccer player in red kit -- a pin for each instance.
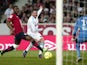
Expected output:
(15, 26)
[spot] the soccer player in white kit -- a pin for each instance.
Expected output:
(32, 30)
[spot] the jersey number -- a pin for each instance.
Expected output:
(84, 25)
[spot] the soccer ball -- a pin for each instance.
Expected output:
(48, 55)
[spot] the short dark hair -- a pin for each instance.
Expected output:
(15, 6)
(34, 10)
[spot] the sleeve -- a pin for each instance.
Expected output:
(10, 18)
(5, 12)
(32, 26)
(39, 11)
(75, 28)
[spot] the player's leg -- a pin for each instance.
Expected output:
(78, 52)
(17, 42)
(39, 39)
(41, 43)
(27, 49)
(14, 46)
(38, 46)
(30, 38)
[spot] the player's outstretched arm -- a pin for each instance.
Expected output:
(40, 10)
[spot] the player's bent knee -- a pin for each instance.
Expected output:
(42, 40)
(28, 38)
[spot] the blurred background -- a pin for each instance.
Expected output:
(72, 9)
(26, 6)
(47, 17)
(47, 27)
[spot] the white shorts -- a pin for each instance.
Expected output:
(35, 36)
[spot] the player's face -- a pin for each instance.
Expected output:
(34, 13)
(16, 9)
(10, 6)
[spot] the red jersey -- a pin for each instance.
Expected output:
(16, 22)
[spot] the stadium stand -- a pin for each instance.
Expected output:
(74, 9)
(48, 14)
(3, 6)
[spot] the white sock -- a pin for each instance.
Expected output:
(29, 46)
(15, 46)
(42, 46)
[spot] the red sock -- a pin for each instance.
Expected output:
(36, 44)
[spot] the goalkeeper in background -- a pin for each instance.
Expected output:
(80, 34)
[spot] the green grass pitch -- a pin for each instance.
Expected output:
(15, 58)
(69, 58)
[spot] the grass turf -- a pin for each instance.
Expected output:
(69, 58)
(15, 58)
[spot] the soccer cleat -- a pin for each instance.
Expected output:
(24, 54)
(44, 50)
(1, 53)
(40, 56)
(79, 59)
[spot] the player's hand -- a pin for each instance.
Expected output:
(73, 38)
(41, 6)
(12, 31)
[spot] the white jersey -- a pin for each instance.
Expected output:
(8, 12)
(32, 25)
